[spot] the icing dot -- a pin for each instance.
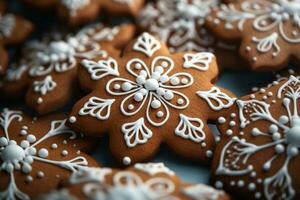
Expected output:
(251, 186)
(64, 153)
(164, 64)
(164, 78)
(180, 101)
(257, 195)
(72, 119)
(184, 81)
(126, 160)
(143, 73)
(248, 48)
(24, 144)
(143, 91)
(43, 153)
(3, 141)
(130, 107)
(232, 123)
(138, 66)
(241, 183)
(117, 86)
(221, 120)
(232, 115)
(29, 179)
(175, 81)
(65, 142)
(40, 100)
(54, 146)
(138, 96)
(155, 104)
(40, 174)
(159, 69)
(169, 95)
(229, 132)
(279, 148)
(31, 138)
(26, 168)
(126, 86)
(23, 132)
(159, 114)
(140, 80)
(254, 59)
(203, 144)
(160, 91)
(31, 151)
(218, 184)
(209, 153)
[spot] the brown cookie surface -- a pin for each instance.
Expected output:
(266, 31)
(181, 25)
(258, 155)
(148, 96)
(36, 155)
(78, 12)
(47, 72)
(142, 181)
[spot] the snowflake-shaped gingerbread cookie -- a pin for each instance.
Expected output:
(14, 30)
(149, 96)
(259, 150)
(78, 12)
(151, 181)
(181, 24)
(47, 72)
(37, 155)
(268, 31)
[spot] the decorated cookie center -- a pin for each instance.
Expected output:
(290, 6)
(285, 10)
(12, 152)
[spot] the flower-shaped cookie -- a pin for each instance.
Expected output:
(268, 31)
(147, 97)
(37, 155)
(259, 150)
(151, 181)
(13, 30)
(180, 24)
(48, 70)
(77, 12)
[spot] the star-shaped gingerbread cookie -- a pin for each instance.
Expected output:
(142, 181)
(47, 72)
(76, 12)
(267, 31)
(145, 96)
(37, 155)
(258, 155)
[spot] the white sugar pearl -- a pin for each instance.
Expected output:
(159, 69)
(43, 153)
(155, 75)
(24, 144)
(40, 174)
(130, 107)
(164, 78)
(3, 141)
(126, 160)
(54, 146)
(175, 81)
(160, 91)
(164, 64)
(184, 81)
(26, 168)
(169, 95)
(64, 153)
(31, 138)
(140, 80)
(143, 73)
(155, 104)
(126, 86)
(138, 66)
(72, 119)
(31, 151)
(117, 86)
(138, 97)
(180, 101)
(23, 132)
(160, 114)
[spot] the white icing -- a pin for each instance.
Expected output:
(7, 25)
(153, 168)
(200, 192)
(146, 44)
(74, 5)
(216, 99)
(97, 107)
(44, 86)
(200, 61)
(190, 128)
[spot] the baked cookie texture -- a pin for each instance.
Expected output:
(37, 154)
(47, 73)
(181, 25)
(258, 154)
(79, 12)
(266, 31)
(142, 181)
(145, 96)
(14, 30)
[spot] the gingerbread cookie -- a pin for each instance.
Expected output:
(267, 31)
(48, 70)
(14, 30)
(148, 96)
(37, 155)
(180, 24)
(76, 12)
(258, 156)
(142, 181)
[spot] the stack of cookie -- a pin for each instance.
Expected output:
(87, 80)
